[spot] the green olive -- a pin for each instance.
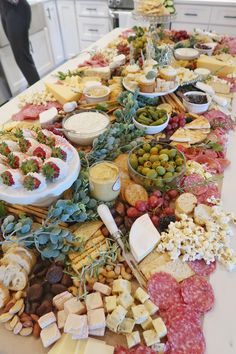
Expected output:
(160, 170)
(146, 147)
(151, 174)
(163, 157)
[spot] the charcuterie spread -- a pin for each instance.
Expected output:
(110, 184)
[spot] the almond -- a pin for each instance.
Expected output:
(17, 307)
(17, 328)
(22, 310)
(5, 317)
(36, 330)
(18, 295)
(34, 317)
(27, 324)
(24, 317)
(26, 331)
(14, 321)
(9, 305)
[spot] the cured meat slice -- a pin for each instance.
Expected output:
(180, 312)
(201, 268)
(211, 164)
(198, 293)
(185, 337)
(164, 290)
(212, 192)
(194, 183)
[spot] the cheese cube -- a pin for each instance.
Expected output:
(150, 336)
(121, 285)
(61, 319)
(125, 300)
(140, 313)
(110, 303)
(60, 299)
(102, 288)
(46, 320)
(97, 332)
(102, 72)
(115, 318)
(96, 319)
(74, 306)
(50, 335)
(159, 347)
(98, 347)
(147, 324)
(64, 345)
(112, 324)
(159, 327)
(150, 307)
(133, 339)
(126, 326)
(77, 325)
(141, 295)
(93, 301)
(47, 117)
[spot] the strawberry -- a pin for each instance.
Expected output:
(24, 145)
(7, 178)
(31, 183)
(39, 152)
(59, 153)
(29, 166)
(14, 161)
(42, 139)
(4, 149)
(51, 170)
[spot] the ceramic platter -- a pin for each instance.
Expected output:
(150, 95)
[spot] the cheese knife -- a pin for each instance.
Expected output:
(107, 218)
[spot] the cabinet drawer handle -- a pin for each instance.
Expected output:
(31, 47)
(92, 30)
(229, 16)
(49, 13)
(90, 9)
(189, 14)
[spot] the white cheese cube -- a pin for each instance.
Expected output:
(150, 336)
(102, 288)
(50, 335)
(151, 307)
(96, 319)
(159, 347)
(115, 318)
(140, 313)
(60, 299)
(147, 324)
(74, 306)
(133, 339)
(112, 324)
(46, 320)
(125, 300)
(61, 319)
(159, 327)
(110, 303)
(77, 325)
(48, 117)
(93, 301)
(126, 326)
(97, 332)
(121, 285)
(141, 295)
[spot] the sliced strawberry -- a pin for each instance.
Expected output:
(4, 149)
(7, 178)
(39, 152)
(51, 170)
(31, 183)
(59, 153)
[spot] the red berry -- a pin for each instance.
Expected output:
(141, 205)
(169, 211)
(172, 193)
(175, 125)
(157, 194)
(153, 201)
(132, 212)
(155, 219)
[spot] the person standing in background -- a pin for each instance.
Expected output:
(16, 18)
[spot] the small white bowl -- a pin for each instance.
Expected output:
(186, 53)
(206, 51)
(195, 107)
(151, 129)
(97, 99)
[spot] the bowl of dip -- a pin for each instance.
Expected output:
(86, 125)
(196, 101)
(205, 48)
(104, 181)
(95, 94)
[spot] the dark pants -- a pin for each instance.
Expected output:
(16, 22)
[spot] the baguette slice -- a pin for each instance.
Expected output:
(19, 258)
(24, 251)
(202, 214)
(4, 296)
(185, 203)
(12, 276)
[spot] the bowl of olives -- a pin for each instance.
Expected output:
(151, 119)
(156, 165)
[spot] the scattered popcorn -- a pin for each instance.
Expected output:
(37, 98)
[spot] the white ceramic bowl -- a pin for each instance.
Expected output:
(151, 129)
(195, 107)
(97, 99)
(81, 138)
(186, 53)
(206, 51)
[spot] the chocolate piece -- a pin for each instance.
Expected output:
(54, 274)
(34, 292)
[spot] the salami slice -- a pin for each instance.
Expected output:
(201, 268)
(210, 164)
(198, 293)
(180, 312)
(164, 290)
(194, 183)
(212, 191)
(185, 337)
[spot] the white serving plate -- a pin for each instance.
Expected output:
(47, 196)
(150, 95)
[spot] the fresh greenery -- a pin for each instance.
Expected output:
(130, 106)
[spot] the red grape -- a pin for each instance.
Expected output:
(155, 219)
(132, 212)
(169, 211)
(167, 197)
(157, 193)
(182, 122)
(160, 201)
(172, 193)
(153, 201)
(175, 125)
(166, 203)
(140, 205)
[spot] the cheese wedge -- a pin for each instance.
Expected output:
(216, 66)
(63, 94)
(199, 123)
(65, 345)
(187, 135)
(143, 237)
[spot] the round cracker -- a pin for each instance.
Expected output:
(134, 192)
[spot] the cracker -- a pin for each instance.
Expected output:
(122, 162)
(134, 192)
(87, 229)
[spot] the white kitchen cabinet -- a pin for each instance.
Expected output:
(228, 30)
(92, 8)
(189, 27)
(54, 31)
(193, 13)
(92, 30)
(69, 30)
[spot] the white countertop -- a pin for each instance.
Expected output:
(208, 2)
(219, 324)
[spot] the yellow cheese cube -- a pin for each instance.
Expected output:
(125, 300)
(65, 345)
(126, 326)
(62, 93)
(147, 324)
(150, 336)
(133, 339)
(121, 285)
(93, 301)
(159, 327)
(140, 313)
(141, 295)
(110, 303)
(150, 307)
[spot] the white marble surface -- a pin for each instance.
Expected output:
(219, 324)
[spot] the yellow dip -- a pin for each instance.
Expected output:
(104, 181)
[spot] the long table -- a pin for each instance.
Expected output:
(219, 325)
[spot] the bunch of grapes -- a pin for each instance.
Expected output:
(158, 206)
(176, 121)
(180, 36)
